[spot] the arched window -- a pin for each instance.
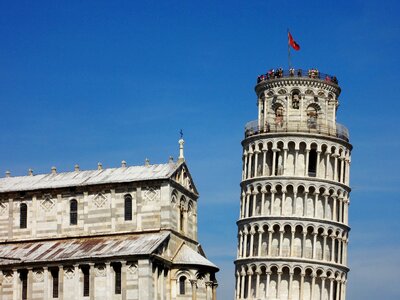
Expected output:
(182, 282)
(23, 215)
(73, 212)
(128, 207)
(182, 215)
(295, 99)
(190, 208)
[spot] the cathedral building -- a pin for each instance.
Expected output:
(293, 225)
(114, 233)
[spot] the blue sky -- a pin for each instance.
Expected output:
(83, 82)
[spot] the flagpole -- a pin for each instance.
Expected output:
(288, 49)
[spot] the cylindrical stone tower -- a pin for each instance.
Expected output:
(293, 225)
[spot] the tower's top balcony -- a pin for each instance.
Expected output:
(297, 77)
(297, 73)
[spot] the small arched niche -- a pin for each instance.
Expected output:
(295, 99)
(279, 115)
(312, 116)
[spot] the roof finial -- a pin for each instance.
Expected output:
(147, 162)
(123, 164)
(76, 168)
(30, 172)
(8, 173)
(171, 159)
(99, 166)
(53, 170)
(181, 157)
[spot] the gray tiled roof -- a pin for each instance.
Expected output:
(84, 178)
(81, 248)
(188, 256)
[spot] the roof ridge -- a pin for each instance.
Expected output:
(89, 170)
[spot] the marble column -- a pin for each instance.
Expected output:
(260, 234)
(307, 162)
(270, 231)
(194, 289)
(274, 162)
(267, 284)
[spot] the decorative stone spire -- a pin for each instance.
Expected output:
(181, 142)
(30, 172)
(76, 168)
(147, 162)
(99, 166)
(8, 174)
(53, 170)
(123, 164)
(181, 157)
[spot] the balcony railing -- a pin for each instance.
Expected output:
(293, 73)
(309, 126)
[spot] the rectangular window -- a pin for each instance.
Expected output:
(117, 270)
(54, 274)
(23, 218)
(312, 163)
(24, 284)
(86, 282)
(73, 212)
(128, 208)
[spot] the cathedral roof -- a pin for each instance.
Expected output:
(81, 248)
(85, 178)
(188, 256)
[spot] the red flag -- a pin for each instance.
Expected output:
(292, 42)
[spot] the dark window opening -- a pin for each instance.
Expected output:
(182, 282)
(54, 275)
(339, 169)
(24, 284)
(250, 213)
(73, 212)
(128, 208)
(312, 163)
(276, 163)
(86, 282)
(117, 270)
(23, 215)
(182, 217)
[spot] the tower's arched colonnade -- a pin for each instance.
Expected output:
(293, 228)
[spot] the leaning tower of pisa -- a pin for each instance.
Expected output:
(293, 224)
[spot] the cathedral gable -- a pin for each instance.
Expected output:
(183, 177)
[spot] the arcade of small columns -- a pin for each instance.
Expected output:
(291, 282)
(314, 241)
(197, 285)
(275, 199)
(281, 157)
(70, 282)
